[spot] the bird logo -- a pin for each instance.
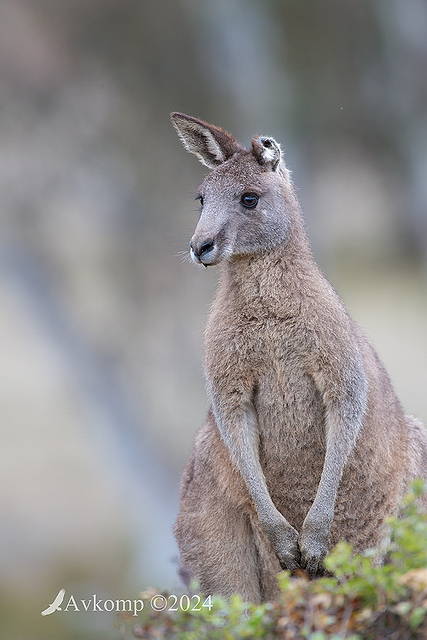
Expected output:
(55, 606)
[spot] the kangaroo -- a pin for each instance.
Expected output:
(305, 442)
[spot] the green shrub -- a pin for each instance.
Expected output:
(362, 600)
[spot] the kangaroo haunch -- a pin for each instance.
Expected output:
(305, 442)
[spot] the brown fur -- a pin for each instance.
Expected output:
(306, 442)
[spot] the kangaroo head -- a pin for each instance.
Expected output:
(245, 198)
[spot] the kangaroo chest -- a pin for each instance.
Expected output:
(288, 406)
(290, 416)
(291, 424)
(270, 354)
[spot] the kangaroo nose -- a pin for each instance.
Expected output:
(202, 247)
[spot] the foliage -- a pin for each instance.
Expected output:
(362, 600)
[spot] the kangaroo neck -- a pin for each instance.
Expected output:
(269, 281)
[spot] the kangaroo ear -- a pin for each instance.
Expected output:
(210, 144)
(267, 151)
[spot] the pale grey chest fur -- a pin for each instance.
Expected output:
(288, 406)
(291, 426)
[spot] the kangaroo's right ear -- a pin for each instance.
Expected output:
(267, 151)
(210, 144)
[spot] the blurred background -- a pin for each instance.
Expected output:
(101, 319)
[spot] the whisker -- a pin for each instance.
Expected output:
(184, 256)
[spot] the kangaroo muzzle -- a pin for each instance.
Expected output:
(201, 249)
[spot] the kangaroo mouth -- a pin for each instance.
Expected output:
(206, 258)
(195, 258)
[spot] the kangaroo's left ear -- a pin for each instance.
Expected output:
(267, 151)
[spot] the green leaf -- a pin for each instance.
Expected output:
(417, 617)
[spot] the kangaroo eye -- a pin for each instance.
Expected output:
(200, 199)
(249, 200)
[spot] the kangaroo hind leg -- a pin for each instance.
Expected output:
(417, 452)
(220, 541)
